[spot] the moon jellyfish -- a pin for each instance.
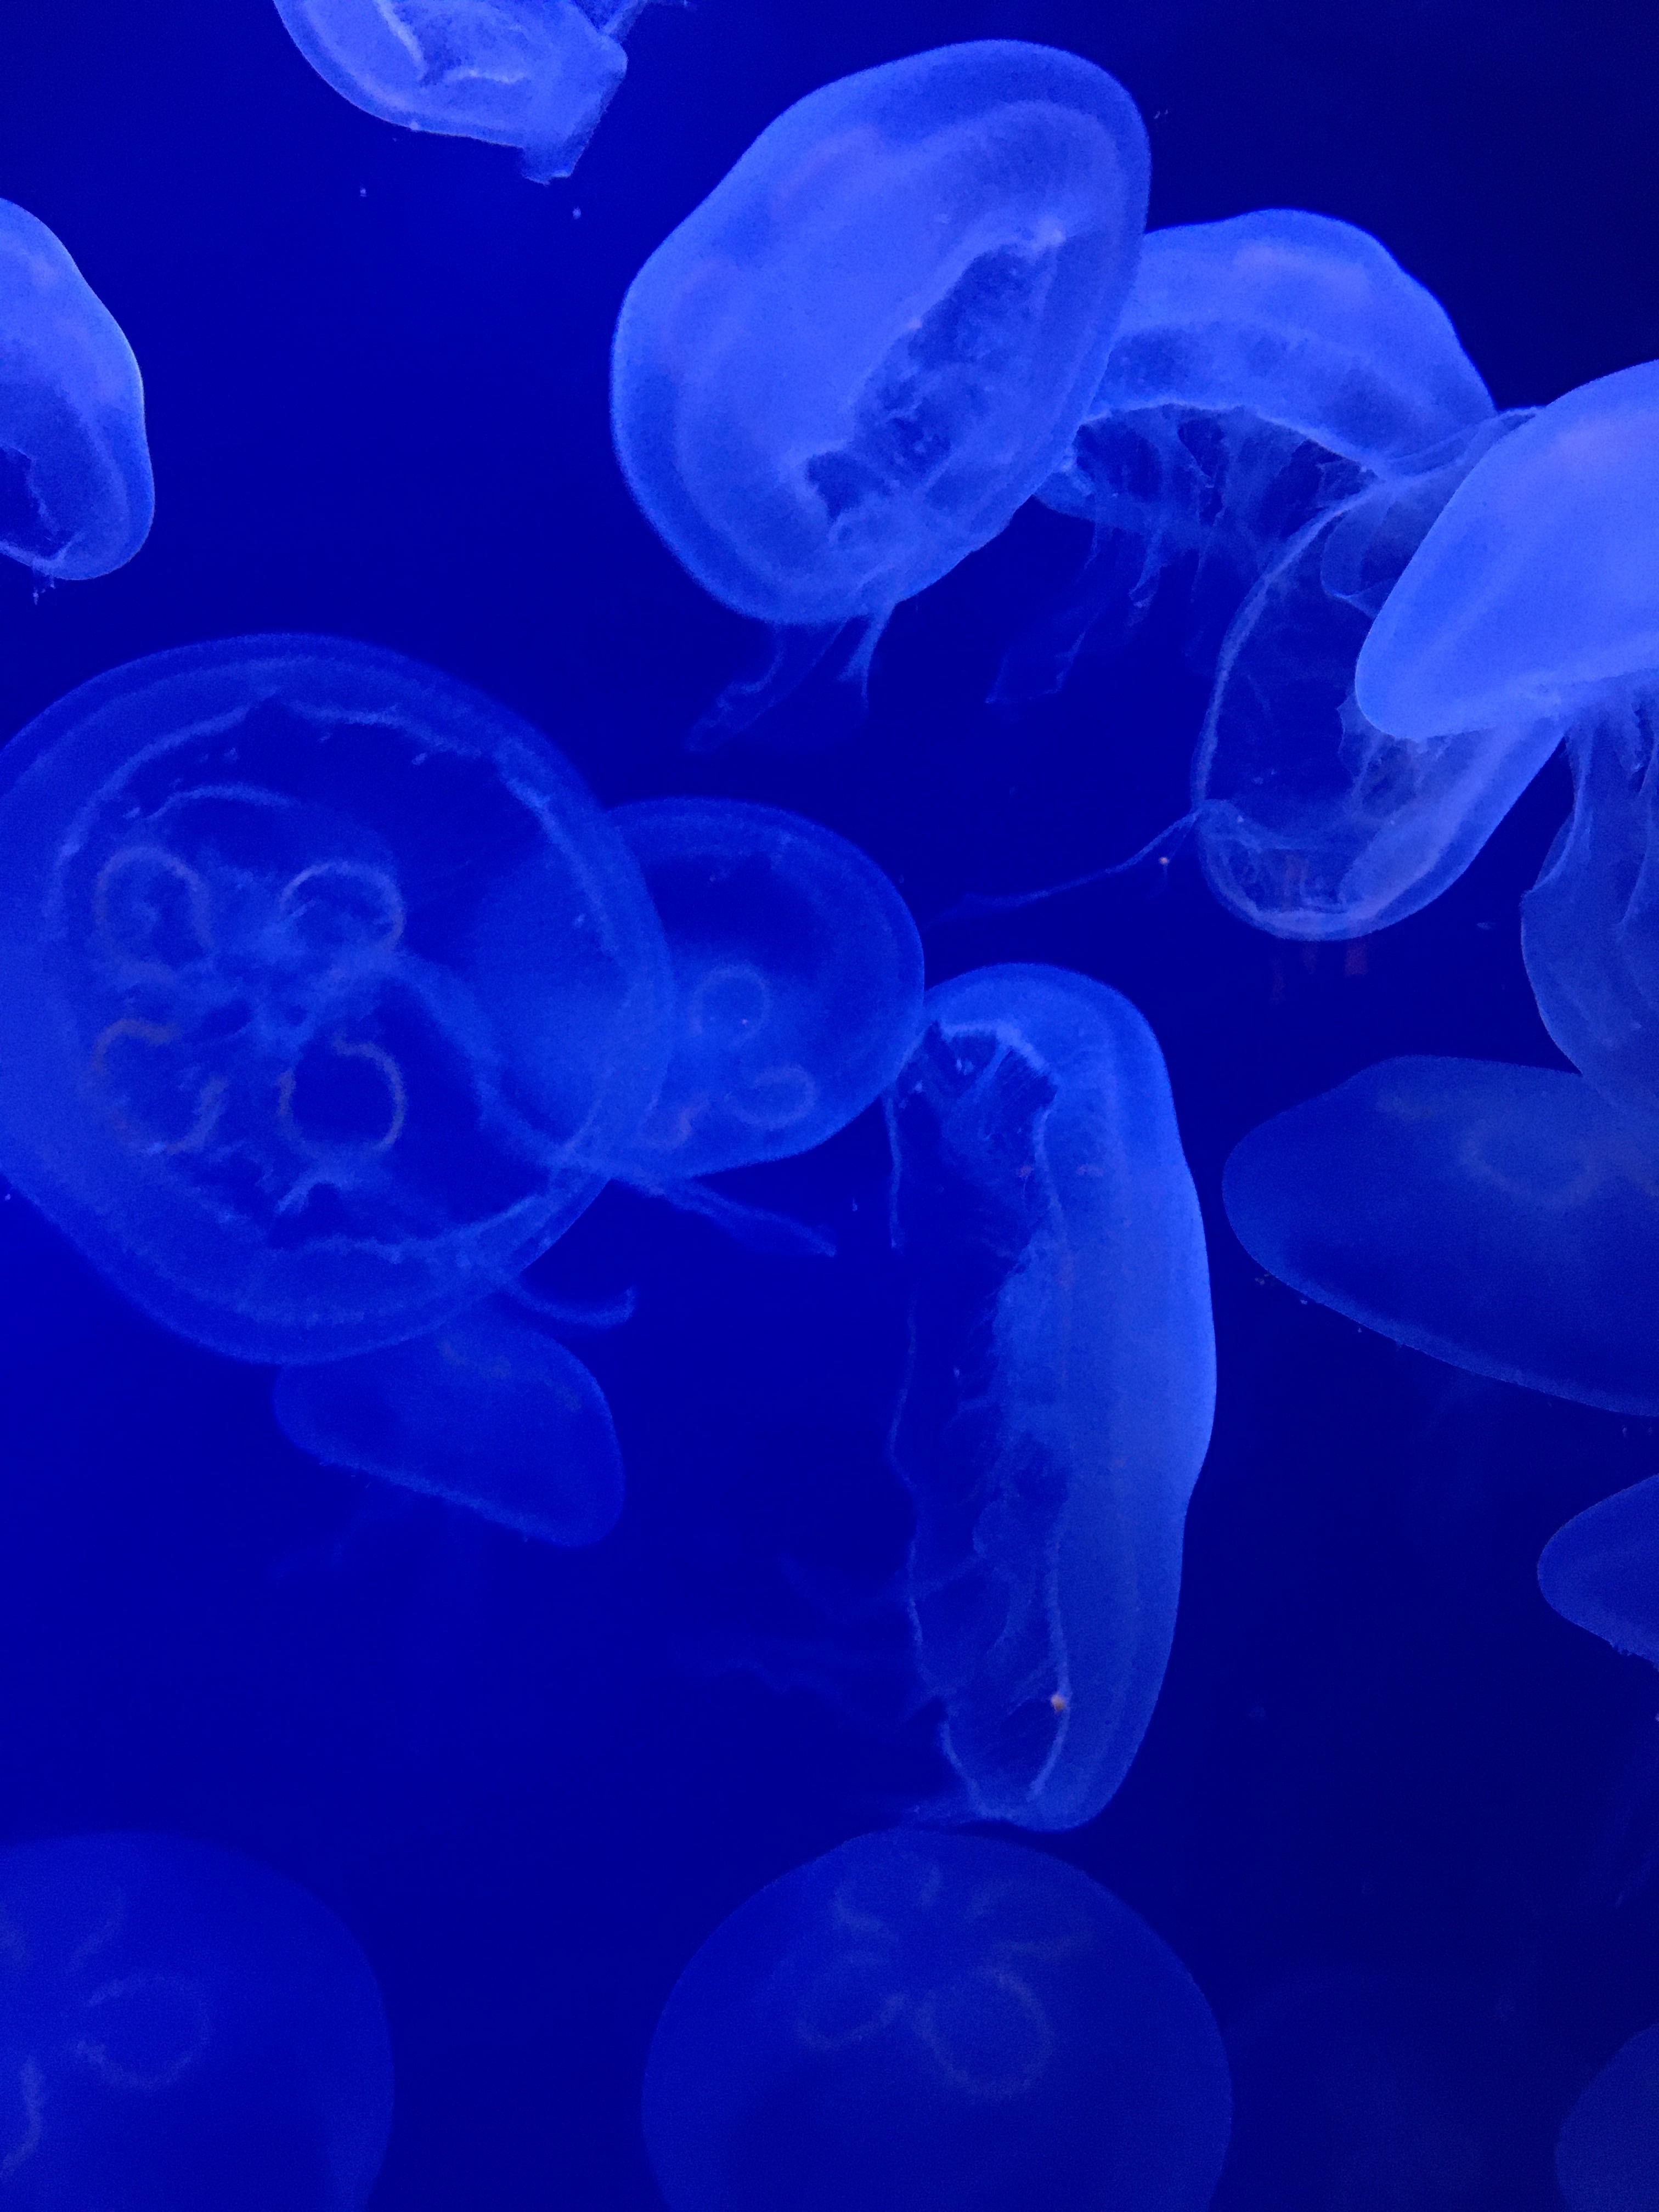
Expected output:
(798, 980)
(534, 74)
(917, 2020)
(1264, 369)
(1062, 1382)
(1601, 1571)
(877, 335)
(1505, 1220)
(326, 991)
(1607, 2159)
(76, 494)
(1310, 821)
(488, 1412)
(181, 2030)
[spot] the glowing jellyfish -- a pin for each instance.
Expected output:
(798, 976)
(1505, 1219)
(1607, 2159)
(326, 991)
(1263, 370)
(1311, 821)
(877, 335)
(181, 2030)
(916, 2021)
(534, 74)
(488, 1412)
(1601, 1571)
(1062, 1382)
(76, 495)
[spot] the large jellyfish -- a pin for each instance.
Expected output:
(1062, 1382)
(1264, 368)
(877, 335)
(534, 74)
(1601, 1571)
(76, 494)
(490, 1413)
(1310, 821)
(327, 994)
(1534, 598)
(181, 2030)
(1505, 1220)
(1607, 2159)
(917, 2021)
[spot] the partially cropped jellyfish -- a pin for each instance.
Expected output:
(1060, 1386)
(797, 975)
(1601, 1571)
(1263, 370)
(1505, 1220)
(917, 2021)
(1534, 599)
(488, 1412)
(534, 74)
(1309, 821)
(327, 994)
(877, 336)
(181, 2030)
(76, 494)
(1608, 2158)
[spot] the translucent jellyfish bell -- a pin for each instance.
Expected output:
(181, 2030)
(1505, 1220)
(76, 495)
(488, 1412)
(534, 74)
(1607, 2159)
(1601, 1571)
(1062, 1382)
(877, 335)
(326, 991)
(917, 2021)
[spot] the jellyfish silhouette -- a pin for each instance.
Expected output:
(76, 494)
(181, 2030)
(1601, 1571)
(1607, 2159)
(916, 2021)
(326, 992)
(877, 336)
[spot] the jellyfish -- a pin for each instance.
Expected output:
(1309, 821)
(76, 494)
(488, 1412)
(1505, 1220)
(534, 74)
(918, 2020)
(327, 993)
(1060, 1386)
(181, 2030)
(1263, 370)
(798, 976)
(877, 336)
(1601, 1571)
(1607, 2159)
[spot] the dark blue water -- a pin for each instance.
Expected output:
(376, 368)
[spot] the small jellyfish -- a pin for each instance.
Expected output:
(326, 991)
(1263, 370)
(534, 74)
(877, 335)
(1601, 1571)
(76, 494)
(488, 1412)
(798, 982)
(181, 2030)
(1607, 2159)
(1062, 1382)
(918, 2021)
(1505, 1220)
(1310, 822)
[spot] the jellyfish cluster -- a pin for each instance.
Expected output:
(331, 999)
